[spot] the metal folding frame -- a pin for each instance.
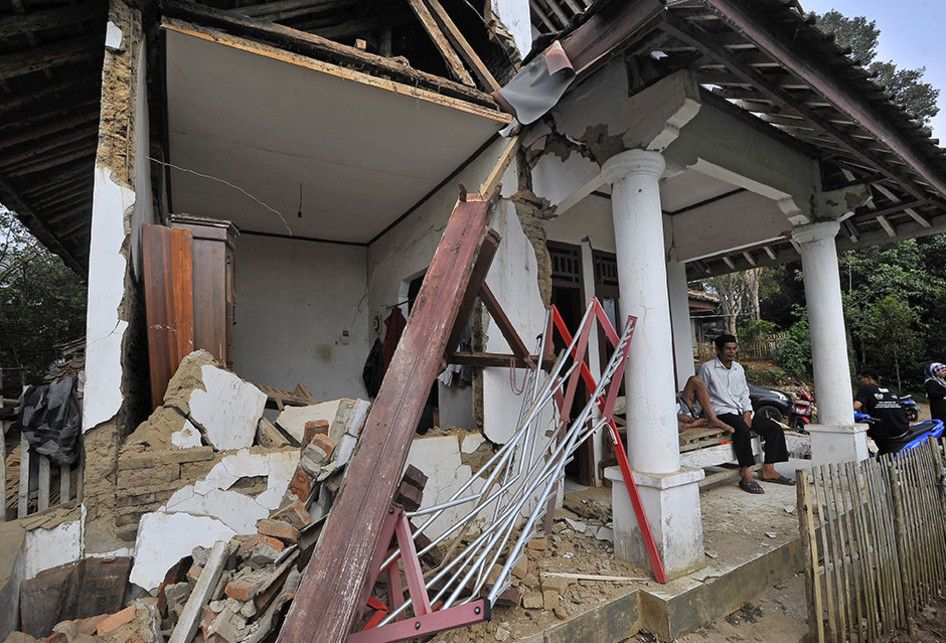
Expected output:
(519, 481)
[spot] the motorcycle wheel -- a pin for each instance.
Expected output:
(770, 412)
(912, 414)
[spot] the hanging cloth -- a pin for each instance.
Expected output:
(394, 324)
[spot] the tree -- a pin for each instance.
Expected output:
(42, 304)
(890, 330)
(906, 85)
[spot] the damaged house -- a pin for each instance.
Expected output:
(260, 195)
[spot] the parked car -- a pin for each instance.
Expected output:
(771, 403)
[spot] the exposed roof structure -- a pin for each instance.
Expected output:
(50, 78)
(769, 61)
(763, 59)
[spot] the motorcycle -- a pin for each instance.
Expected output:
(916, 435)
(802, 411)
(910, 408)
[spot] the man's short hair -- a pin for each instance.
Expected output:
(869, 372)
(722, 340)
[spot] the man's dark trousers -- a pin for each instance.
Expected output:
(768, 430)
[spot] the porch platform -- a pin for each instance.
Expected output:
(751, 543)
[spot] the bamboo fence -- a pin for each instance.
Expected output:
(873, 537)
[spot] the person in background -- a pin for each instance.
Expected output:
(729, 396)
(883, 404)
(694, 409)
(935, 386)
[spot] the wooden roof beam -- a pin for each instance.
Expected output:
(34, 133)
(57, 53)
(27, 100)
(847, 101)
(87, 135)
(780, 96)
(38, 227)
(72, 154)
(52, 18)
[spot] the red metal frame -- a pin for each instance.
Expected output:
(426, 620)
(606, 406)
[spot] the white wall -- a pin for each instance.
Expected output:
(590, 217)
(294, 300)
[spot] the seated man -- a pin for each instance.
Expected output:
(729, 396)
(694, 410)
(882, 404)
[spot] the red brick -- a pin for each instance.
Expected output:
(278, 529)
(301, 484)
(294, 513)
(312, 428)
(114, 621)
(242, 590)
(194, 573)
(326, 443)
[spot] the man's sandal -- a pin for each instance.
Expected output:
(780, 480)
(750, 486)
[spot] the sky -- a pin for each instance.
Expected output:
(912, 34)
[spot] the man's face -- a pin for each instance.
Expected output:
(864, 380)
(728, 351)
(941, 372)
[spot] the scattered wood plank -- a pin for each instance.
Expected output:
(69, 50)
(596, 577)
(92, 10)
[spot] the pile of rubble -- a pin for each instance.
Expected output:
(224, 506)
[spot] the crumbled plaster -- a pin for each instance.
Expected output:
(113, 36)
(211, 495)
(345, 416)
(438, 457)
(58, 545)
(226, 408)
(187, 437)
(110, 401)
(165, 538)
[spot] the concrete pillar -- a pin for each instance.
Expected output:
(670, 496)
(835, 438)
(678, 291)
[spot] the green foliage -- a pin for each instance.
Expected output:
(774, 376)
(42, 304)
(751, 330)
(906, 85)
(890, 332)
(793, 354)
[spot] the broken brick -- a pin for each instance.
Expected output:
(301, 483)
(537, 544)
(551, 599)
(409, 496)
(194, 573)
(555, 583)
(415, 476)
(114, 621)
(532, 600)
(278, 529)
(242, 589)
(312, 428)
(326, 443)
(294, 513)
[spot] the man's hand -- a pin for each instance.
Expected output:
(747, 418)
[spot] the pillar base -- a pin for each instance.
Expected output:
(672, 504)
(838, 443)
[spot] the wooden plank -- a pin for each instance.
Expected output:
(315, 46)
(493, 181)
(65, 482)
(449, 56)
(830, 579)
(809, 548)
(839, 554)
(494, 360)
(459, 41)
(519, 348)
(3, 471)
(900, 534)
(167, 264)
(42, 502)
(39, 131)
(187, 624)
(855, 555)
(868, 569)
(60, 52)
(266, 9)
(325, 604)
(23, 493)
(92, 10)
(477, 279)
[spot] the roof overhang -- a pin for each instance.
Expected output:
(258, 135)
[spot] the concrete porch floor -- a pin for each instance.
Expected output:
(751, 545)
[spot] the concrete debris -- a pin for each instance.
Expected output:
(771, 534)
(577, 525)
(345, 417)
(267, 435)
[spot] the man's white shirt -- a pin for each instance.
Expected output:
(727, 387)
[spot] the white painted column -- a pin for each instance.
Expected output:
(670, 495)
(680, 321)
(594, 352)
(835, 438)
